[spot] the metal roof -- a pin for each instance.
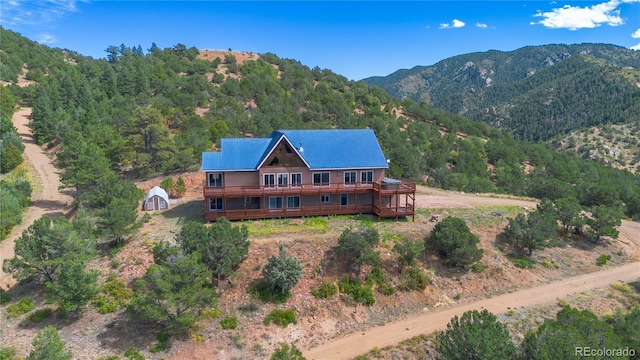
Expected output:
(320, 149)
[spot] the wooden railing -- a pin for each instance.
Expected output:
(405, 186)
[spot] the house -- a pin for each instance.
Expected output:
(296, 173)
(156, 199)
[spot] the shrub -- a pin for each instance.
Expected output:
(133, 354)
(5, 297)
(521, 262)
(478, 268)
(455, 243)
(359, 293)
(262, 290)
(162, 339)
(21, 307)
(282, 317)
(287, 352)
(414, 278)
(115, 294)
(229, 322)
(325, 290)
(39, 315)
(602, 259)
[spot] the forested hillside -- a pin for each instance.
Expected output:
(534, 93)
(138, 113)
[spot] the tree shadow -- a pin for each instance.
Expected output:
(122, 333)
(192, 210)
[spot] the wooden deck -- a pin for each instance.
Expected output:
(404, 188)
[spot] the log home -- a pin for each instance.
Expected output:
(295, 173)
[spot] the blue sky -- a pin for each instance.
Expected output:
(356, 39)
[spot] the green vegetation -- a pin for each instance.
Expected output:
(359, 293)
(229, 322)
(454, 242)
(23, 306)
(356, 247)
(287, 352)
(413, 278)
(162, 342)
(281, 317)
(115, 294)
(174, 292)
(39, 315)
(326, 290)
(47, 345)
(282, 272)
(16, 197)
(222, 246)
(475, 335)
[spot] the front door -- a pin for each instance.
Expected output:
(344, 199)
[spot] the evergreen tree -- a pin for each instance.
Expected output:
(476, 335)
(282, 272)
(455, 243)
(47, 345)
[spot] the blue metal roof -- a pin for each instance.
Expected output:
(338, 149)
(321, 149)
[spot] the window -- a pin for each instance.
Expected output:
(283, 180)
(350, 177)
(296, 179)
(344, 199)
(247, 199)
(215, 180)
(275, 202)
(325, 199)
(293, 202)
(216, 204)
(162, 204)
(321, 179)
(269, 180)
(366, 177)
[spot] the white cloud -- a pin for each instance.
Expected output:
(43, 14)
(455, 23)
(636, 34)
(46, 39)
(574, 17)
(481, 26)
(635, 47)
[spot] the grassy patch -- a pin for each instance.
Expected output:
(326, 290)
(162, 342)
(287, 226)
(282, 317)
(229, 322)
(482, 215)
(358, 292)
(40, 314)
(521, 261)
(5, 297)
(21, 307)
(115, 294)
(414, 278)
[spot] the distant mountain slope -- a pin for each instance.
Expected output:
(534, 92)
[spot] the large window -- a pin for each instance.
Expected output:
(350, 177)
(366, 177)
(321, 179)
(296, 179)
(293, 202)
(283, 180)
(215, 180)
(269, 180)
(275, 202)
(216, 204)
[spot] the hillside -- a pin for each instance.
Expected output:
(613, 145)
(534, 93)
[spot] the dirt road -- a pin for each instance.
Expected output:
(47, 199)
(355, 344)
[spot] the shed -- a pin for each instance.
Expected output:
(156, 199)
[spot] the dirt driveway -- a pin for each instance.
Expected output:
(47, 199)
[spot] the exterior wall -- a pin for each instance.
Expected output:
(155, 203)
